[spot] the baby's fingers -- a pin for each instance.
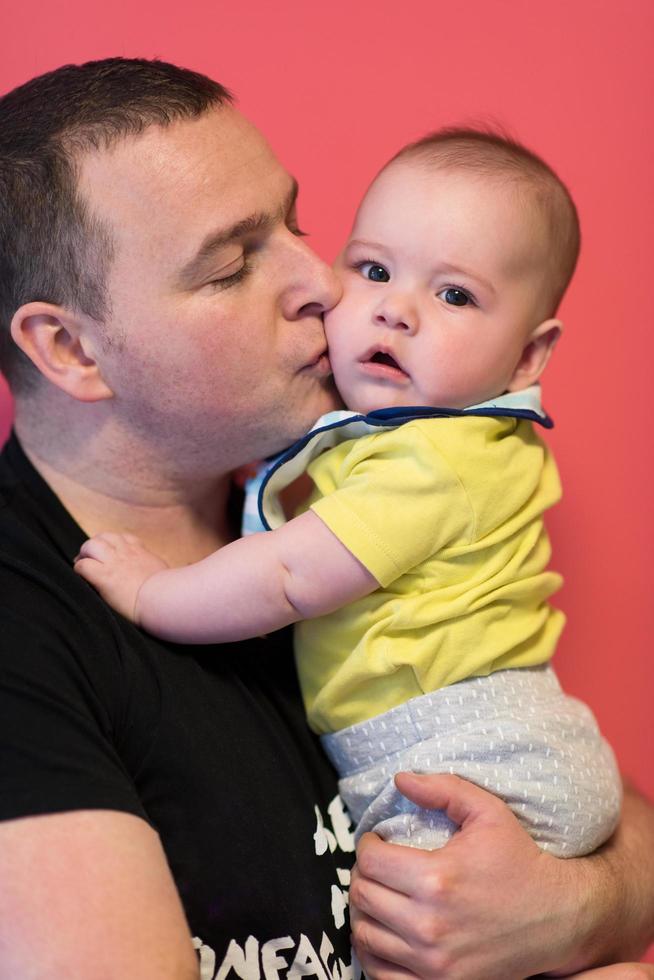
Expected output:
(92, 570)
(101, 548)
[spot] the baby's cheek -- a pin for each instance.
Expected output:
(335, 333)
(341, 359)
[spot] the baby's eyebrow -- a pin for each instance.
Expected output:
(374, 246)
(453, 270)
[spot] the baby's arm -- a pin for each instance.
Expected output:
(252, 586)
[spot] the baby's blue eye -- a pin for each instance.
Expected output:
(375, 272)
(456, 297)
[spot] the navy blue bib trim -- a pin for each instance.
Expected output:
(392, 418)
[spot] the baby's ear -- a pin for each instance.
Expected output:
(535, 355)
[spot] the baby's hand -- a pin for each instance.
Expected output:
(117, 565)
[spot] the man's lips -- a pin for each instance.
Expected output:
(319, 365)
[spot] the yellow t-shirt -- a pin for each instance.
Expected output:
(447, 515)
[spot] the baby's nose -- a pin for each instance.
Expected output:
(397, 318)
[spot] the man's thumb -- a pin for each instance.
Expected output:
(461, 799)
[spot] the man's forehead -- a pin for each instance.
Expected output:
(185, 178)
(219, 142)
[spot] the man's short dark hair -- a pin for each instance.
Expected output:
(52, 248)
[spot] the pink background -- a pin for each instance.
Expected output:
(340, 86)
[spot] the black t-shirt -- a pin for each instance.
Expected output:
(208, 744)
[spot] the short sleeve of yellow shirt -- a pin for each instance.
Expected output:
(392, 499)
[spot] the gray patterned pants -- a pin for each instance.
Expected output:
(514, 733)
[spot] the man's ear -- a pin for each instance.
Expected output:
(535, 355)
(58, 343)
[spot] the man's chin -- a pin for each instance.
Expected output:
(298, 415)
(331, 394)
(326, 399)
(293, 428)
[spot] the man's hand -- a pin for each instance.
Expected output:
(490, 905)
(117, 565)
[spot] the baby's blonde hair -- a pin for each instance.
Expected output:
(491, 153)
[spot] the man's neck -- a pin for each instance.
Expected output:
(181, 524)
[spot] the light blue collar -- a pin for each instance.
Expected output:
(526, 400)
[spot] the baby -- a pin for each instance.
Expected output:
(417, 572)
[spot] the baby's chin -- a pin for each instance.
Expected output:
(364, 406)
(367, 405)
(374, 395)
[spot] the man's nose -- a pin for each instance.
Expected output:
(314, 288)
(397, 313)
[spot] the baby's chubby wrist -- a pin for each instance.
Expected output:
(147, 601)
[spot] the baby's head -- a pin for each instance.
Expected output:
(461, 251)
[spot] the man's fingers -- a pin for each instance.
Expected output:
(461, 799)
(394, 865)
(380, 952)
(376, 969)
(391, 909)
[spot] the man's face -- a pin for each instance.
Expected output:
(215, 348)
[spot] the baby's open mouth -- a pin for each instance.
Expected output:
(381, 358)
(383, 365)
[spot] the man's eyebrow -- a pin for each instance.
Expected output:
(259, 221)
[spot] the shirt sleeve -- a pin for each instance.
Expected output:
(393, 501)
(59, 705)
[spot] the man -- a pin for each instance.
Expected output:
(161, 325)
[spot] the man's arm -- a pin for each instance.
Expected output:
(491, 904)
(88, 895)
